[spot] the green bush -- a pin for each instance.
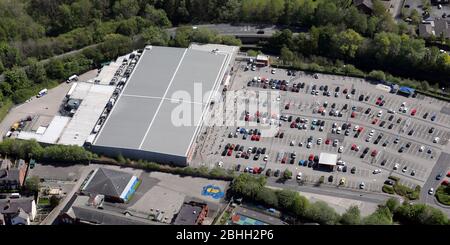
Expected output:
(443, 194)
(394, 178)
(388, 189)
(407, 192)
(321, 179)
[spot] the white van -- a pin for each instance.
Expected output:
(42, 93)
(14, 195)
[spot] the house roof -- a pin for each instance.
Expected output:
(426, 30)
(10, 206)
(188, 215)
(441, 26)
(9, 175)
(83, 212)
(367, 3)
(327, 159)
(107, 182)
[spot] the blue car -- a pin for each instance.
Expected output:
(302, 163)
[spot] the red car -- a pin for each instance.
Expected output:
(232, 146)
(374, 153)
(257, 137)
(353, 114)
(247, 118)
(444, 182)
(353, 147)
(229, 152)
(360, 129)
(413, 112)
(287, 106)
(327, 141)
(311, 157)
(293, 124)
(375, 121)
(253, 137)
(448, 174)
(378, 101)
(284, 160)
(257, 114)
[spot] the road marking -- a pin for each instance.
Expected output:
(162, 100)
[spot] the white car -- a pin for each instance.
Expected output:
(371, 132)
(380, 113)
(341, 149)
(356, 127)
(431, 191)
(377, 171)
(299, 176)
(273, 71)
(422, 148)
(396, 166)
(348, 96)
(368, 139)
(309, 145)
(292, 143)
(319, 141)
(266, 157)
(220, 164)
(436, 140)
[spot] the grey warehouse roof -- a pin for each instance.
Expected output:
(142, 118)
(107, 182)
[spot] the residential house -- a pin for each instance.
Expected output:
(12, 178)
(437, 28)
(366, 6)
(21, 211)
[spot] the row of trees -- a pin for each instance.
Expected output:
(54, 154)
(253, 189)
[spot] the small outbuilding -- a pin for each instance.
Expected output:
(328, 159)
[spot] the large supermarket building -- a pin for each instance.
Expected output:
(141, 124)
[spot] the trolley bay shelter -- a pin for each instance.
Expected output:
(146, 121)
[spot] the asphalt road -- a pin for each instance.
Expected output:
(441, 166)
(372, 197)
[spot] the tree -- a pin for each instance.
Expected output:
(54, 201)
(156, 16)
(33, 184)
(267, 197)
(377, 74)
(36, 71)
(287, 174)
(287, 55)
(392, 204)
(155, 36)
(415, 17)
(352, 216)
(420, 214)
(382, 216)
(348, 43)
(55, 69)
(126, 8)
(17, 78)
(321, 213)
(356, 20)
(9, 55)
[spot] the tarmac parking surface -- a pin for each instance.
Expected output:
(406, 138)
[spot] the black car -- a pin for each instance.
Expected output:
(310, 163)
(345, 107)
(382, 123)
(399, 120)
(368, 110)
(277, 173)
(337, 89)
(389, 182)
(408, 144)
(361, 97)
(325, 88)
(344, 169)
(353, 91)
(385, 143)
(321, 88)
(390, 126)
(411, 132)
(401, 149)
(290, 119)
(391, 117)
(314, 87)
(431, 130)
(330, 178)
(238, 167)
(292, 161)
(367, 98)
(316, 159)
(376, 141)
(383, 162)
(333, 105)
(353, 170)
(425, 115)
(236, 148)
(366, 150)
(322, 123)
(263, 151)
(269, 172)
(362, 155)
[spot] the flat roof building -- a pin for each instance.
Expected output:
(328, 159)
(163, 103)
